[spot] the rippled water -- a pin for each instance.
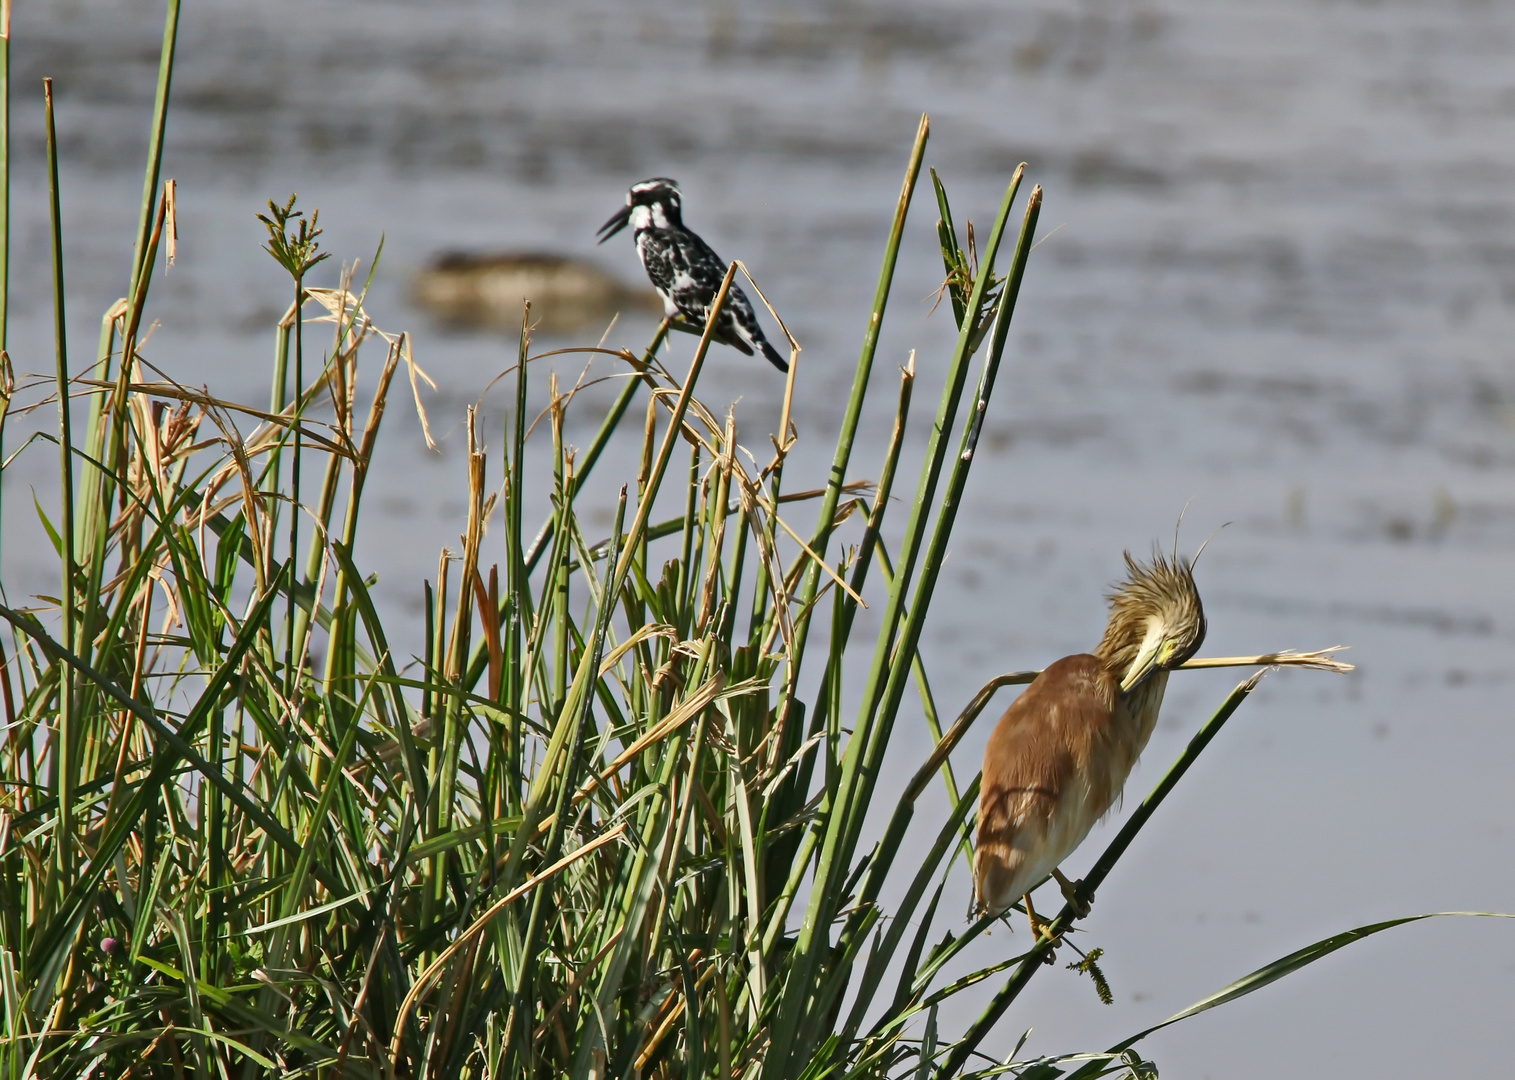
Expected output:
(1280, 289)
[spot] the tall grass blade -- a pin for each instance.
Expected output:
(65, 763)
(854, 786)
(5, 236)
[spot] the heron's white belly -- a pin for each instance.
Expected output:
(1042, 843)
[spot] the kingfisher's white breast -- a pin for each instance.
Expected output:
(645, 216)
(641, 218)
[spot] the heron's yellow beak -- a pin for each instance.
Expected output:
(1156, 652)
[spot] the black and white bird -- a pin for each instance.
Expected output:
(683, 269)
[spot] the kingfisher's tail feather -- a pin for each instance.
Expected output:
(773, 357)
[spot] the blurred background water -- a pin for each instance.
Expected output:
(1277, 284)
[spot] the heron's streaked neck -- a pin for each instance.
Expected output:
(1123, 642)
(1143, 702)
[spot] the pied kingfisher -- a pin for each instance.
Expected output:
(683, 269)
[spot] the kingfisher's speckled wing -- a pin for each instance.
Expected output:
(662, 260)
(688, 273)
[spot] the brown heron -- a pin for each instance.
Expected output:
(1061, 753)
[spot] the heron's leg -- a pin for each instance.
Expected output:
(1070, 894)
(1040, 928)
(1038, 924)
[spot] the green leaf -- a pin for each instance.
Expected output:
(1271, 973)
(1300, 958)
(52, 533)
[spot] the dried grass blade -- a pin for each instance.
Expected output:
(424, 979)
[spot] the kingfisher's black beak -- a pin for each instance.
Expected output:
(621, 219)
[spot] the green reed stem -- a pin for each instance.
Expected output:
(928, 698)
(601, 439)
(825, 710)
(826, 516)
(540, 785)
(291, 658)
(905, 656)
(936, 554)
(516, 607)
(5, 234)
(67, 736)
(793, 1043)
(525, 976)
(155, 143)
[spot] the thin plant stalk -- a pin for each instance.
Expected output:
(64, 779)
(850, 798)
(155, 139)
(848, 432)
(5, 235)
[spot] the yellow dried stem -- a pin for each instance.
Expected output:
(457, 653)
(1320, 660)
(424, 980)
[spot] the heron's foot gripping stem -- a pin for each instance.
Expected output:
(1081, 906)
(1041, 928)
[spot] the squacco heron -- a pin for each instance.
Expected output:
(1060, 755)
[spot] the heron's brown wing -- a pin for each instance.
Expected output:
(1047, 735)
(1039, 794)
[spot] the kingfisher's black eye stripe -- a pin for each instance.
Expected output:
(687, 273)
